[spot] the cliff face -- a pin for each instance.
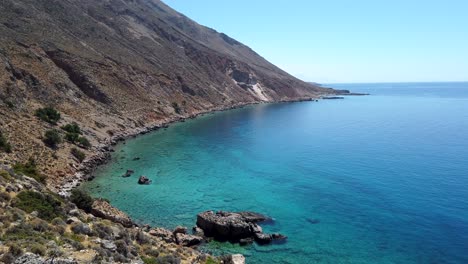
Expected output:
(117, 65)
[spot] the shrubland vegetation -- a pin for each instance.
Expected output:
(48, 114)
(52, 138)
(30, 169)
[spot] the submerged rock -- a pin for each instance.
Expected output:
(128, 173)
(143, 180)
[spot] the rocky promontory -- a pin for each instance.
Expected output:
(239, 227)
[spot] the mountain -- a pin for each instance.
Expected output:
(117, 66)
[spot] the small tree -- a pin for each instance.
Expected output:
(82, 200)
(52, 138)
(48, 114)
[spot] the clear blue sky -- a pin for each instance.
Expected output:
(347, 41)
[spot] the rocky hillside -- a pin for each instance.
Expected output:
(116, 67)
(38, 226)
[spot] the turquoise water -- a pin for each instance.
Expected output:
(374, 179)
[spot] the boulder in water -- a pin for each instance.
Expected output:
(143, 180)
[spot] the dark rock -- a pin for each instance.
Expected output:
(137, 158)
(180, 230)
(263, 239)
(188, 240)
(128, 173)
(313, 221)
(144, 180)
(239, 227)
(246, 241)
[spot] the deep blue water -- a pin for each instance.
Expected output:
(385, 176)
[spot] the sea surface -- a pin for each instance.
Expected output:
(369, 179)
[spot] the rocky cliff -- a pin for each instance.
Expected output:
(117, 66)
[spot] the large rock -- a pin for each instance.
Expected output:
(103, 209)
(188, 240)
(234, 227)
(164, 234)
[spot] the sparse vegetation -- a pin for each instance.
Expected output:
(72, 128)
(29, 169)
(47, 206)
(78, 154)
(82, 200)
(84, 142)
(48, 114)
(5, 146)
(72, 137)
(52, 138)
(73, 132)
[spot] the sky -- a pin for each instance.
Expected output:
(333, 41)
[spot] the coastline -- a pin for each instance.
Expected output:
(104, 149)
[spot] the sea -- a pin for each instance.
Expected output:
(381, 178)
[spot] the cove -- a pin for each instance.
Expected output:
(373, 179)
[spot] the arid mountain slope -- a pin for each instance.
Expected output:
(115, 66)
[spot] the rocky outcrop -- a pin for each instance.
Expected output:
(235, 227)
(103, 209)
(187, 240)
(164, 234)
(30, 258)
(178, 236)
(143, 180)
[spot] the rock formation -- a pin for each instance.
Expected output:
(103, 209)
(143, 180)
(236, 227)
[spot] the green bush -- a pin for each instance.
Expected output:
(5, 146)
(72, 128)
(29, 169)
(82, 200)
(84, 142)
(52, 138)
(47, 206)
(72, 137)
(78, 154)
(48, 114)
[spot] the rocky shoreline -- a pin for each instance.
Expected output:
(104, 149)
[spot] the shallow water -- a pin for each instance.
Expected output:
(373, 179)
